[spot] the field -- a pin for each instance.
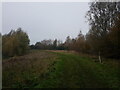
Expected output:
(59, 69)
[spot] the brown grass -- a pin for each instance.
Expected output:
(20, 70)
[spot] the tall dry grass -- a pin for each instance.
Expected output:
(27, 70)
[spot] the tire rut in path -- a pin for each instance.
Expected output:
(77, 74)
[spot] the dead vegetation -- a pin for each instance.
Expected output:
(24, 69)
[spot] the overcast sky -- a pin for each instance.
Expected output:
(47, 20)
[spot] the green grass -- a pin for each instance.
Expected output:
(61, 70)
(73, 71)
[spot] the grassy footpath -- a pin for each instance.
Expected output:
(44, 69)
(73, 71)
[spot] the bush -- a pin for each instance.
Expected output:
(15, 43)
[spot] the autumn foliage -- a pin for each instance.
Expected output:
(15, 43)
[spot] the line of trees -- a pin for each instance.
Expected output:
(78, 44)
(103, 38)
(104, 35)
(15, 43)
(49, 45)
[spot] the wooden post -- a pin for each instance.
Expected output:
(100, 58)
